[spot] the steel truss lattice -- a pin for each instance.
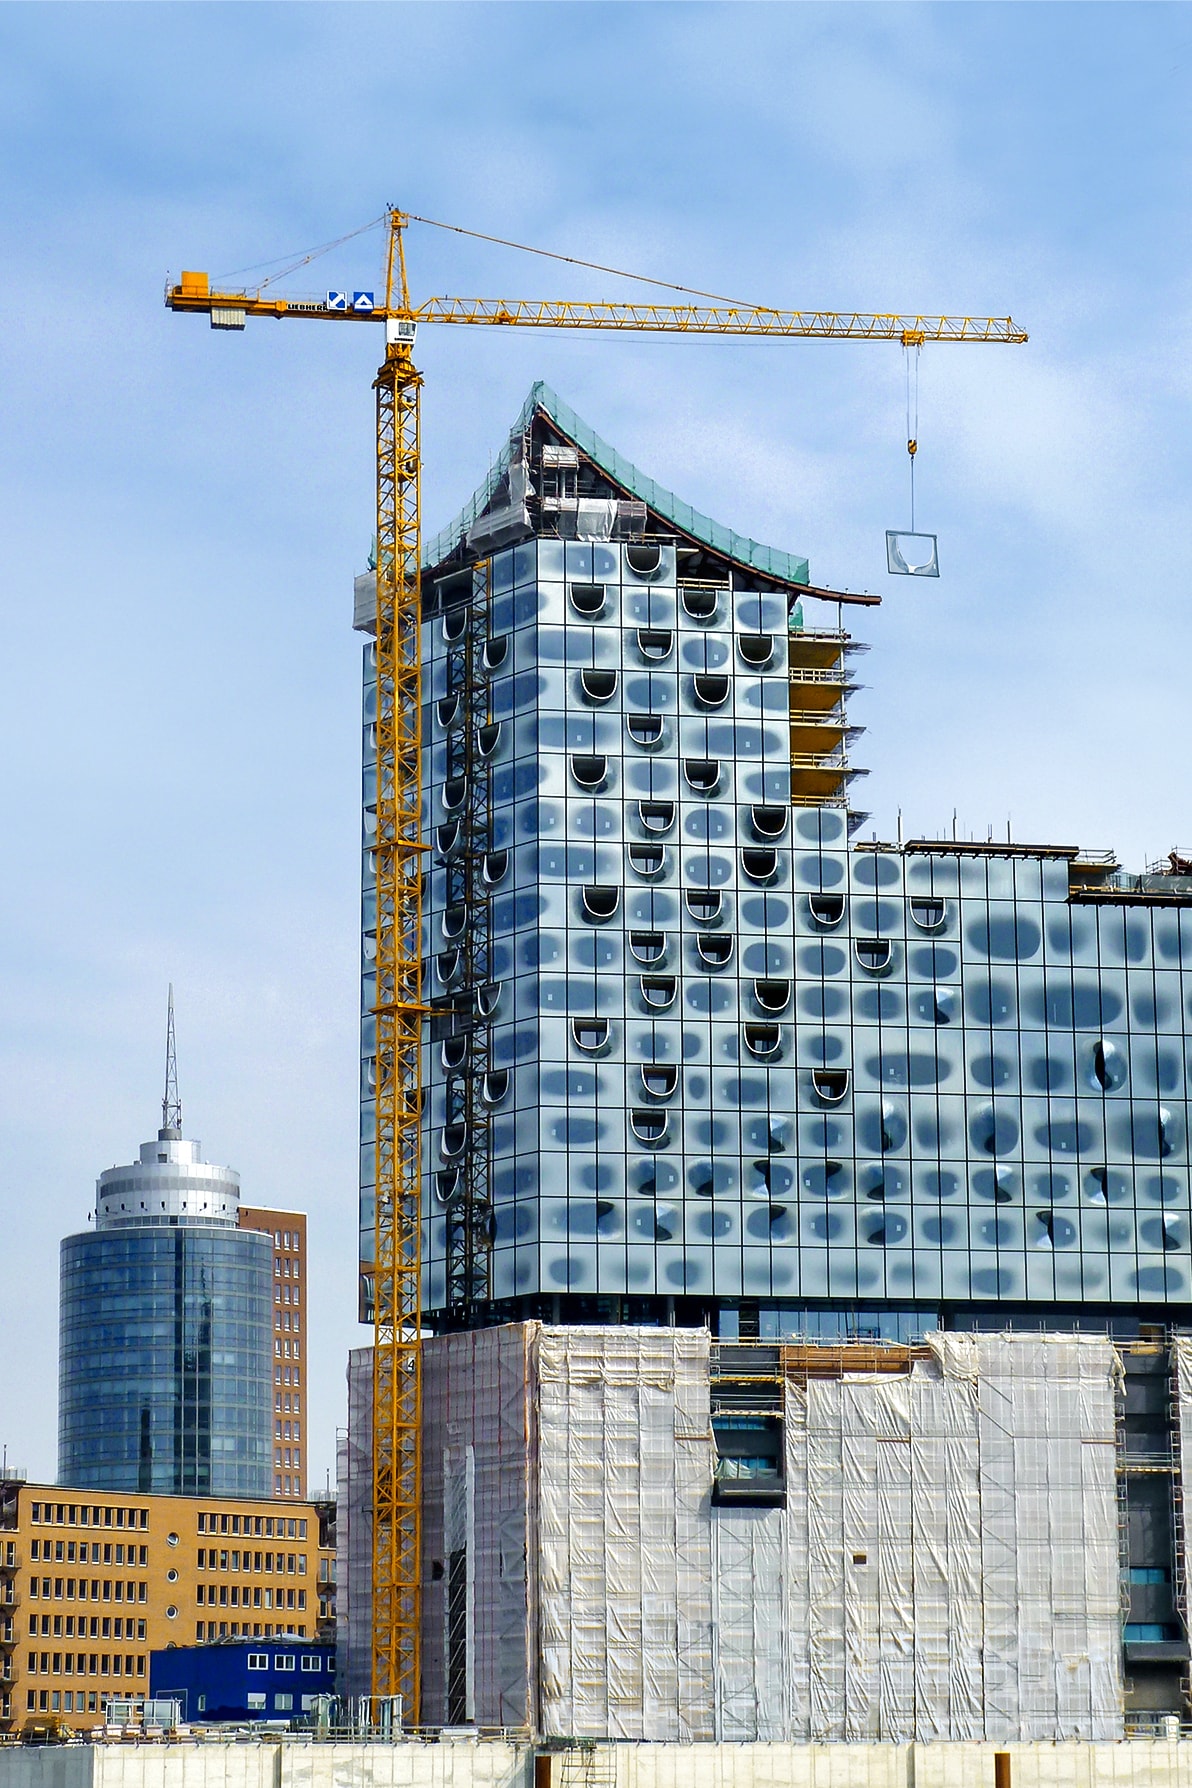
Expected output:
(397, 1377)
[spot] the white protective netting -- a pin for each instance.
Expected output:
(477, 1500)
(624, 1537)
(353, 1533)
(1050, 1558)
(1181, 1360)
(890, 1468)
(947, 1564)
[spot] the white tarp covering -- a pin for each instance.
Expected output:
(1181, 1384)
(1050, 1564)
(946, 1566)
(509, 520)
(353, 1533)
(1181, 1360)
(869, 1580)
(477, 1465)
(948, 1555)
(624, 1540)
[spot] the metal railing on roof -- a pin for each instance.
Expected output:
(1155, 882)
(264, 1733)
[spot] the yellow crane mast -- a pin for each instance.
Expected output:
(397, 1379)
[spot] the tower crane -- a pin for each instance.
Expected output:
(397, 849)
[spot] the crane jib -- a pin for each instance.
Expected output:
(193, 294)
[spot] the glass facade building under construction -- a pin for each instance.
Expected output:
(696, 1053)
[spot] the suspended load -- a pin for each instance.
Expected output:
(911, 555)
(908, 553)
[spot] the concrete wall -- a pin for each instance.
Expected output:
(210, 1764)
(1134, 1763)
(452, 1764)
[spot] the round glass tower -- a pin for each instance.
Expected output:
(165, 1339)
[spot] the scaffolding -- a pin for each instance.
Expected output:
(353, 1533)
(820, 684)
(480, 1527)
(462, 1024)
(936, 1557)
(1181, 1442)
(945, 1564)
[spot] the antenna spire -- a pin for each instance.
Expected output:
(171, 1105)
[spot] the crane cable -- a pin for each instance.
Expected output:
(912, 419)
(595, 266)
(301, 258)
(287, 264)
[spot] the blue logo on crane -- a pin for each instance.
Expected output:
(363, 302)
(337, 301)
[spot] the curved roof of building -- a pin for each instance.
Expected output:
(748, 555)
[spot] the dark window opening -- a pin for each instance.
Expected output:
(600, 903)
(768, 822)
(590, 1034)
(757, 649)
(703, 904)
(656, 816)
(703, 774)
(598, 685)
(715, 951)
(647, 946)
(644, 729)
(700, 604)
(589, 771)
(710, 691)
(826, 909)
(659, 1079)
(588, 599)
(830, 1084)
(655, 643)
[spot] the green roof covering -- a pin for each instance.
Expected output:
(768, 560)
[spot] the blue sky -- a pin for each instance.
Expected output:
(183, 511)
